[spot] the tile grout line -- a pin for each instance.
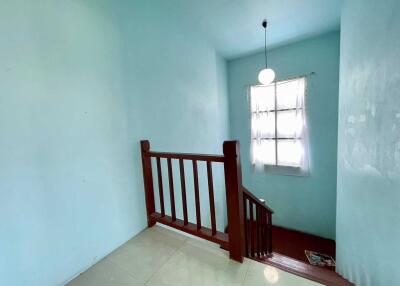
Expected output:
(121, 268)
(126, 271)
(165, 262)
(247, 271)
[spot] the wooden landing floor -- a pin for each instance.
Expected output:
(293, 243)
(305, 270)
(289, 246)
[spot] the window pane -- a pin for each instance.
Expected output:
(290, 123)
(263, 125)
(263, 152)
(262, 98)
(290, 152)
(290, 94)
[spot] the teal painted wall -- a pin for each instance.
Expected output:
(80, 83)
(368, 183)
(304, 203)
(179, 97)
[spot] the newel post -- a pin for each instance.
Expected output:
(148, 181)
(234, 199)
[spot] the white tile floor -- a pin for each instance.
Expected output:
(161, 257)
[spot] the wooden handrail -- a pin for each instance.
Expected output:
(256, 200)
(234, 240)
(244, 238)
(258, 224)
(187, 156)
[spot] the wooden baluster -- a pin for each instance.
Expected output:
(171, 189)
(234, 198)
(258, 226)
(266, 233)
(266, 238)
(211, 198)
(196, 194)
(160, 186)
(148, 181)
(251, 229)
(269, 233)
(183, 189)
(263, 236)
(260, 211)
(246, 227)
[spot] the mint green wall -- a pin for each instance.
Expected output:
(368, 183)
(179, 99)
(303, 203)
(80, 83)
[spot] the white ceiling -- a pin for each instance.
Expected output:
(234, 26)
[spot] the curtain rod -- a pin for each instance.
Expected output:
(285, 79)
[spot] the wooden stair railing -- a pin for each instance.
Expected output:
(237, 199)
(258, 225)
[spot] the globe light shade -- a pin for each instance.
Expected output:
(266, 76)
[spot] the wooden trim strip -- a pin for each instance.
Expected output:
(204, 232)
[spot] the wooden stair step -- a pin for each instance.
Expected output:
(305, 270)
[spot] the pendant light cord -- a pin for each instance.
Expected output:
(265, 43)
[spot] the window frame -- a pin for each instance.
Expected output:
(290, 169)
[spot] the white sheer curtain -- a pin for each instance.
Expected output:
(279, 133)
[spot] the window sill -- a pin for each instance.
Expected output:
(282, 170)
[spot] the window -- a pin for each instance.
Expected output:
(278, 124)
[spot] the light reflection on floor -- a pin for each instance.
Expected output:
(161, 257)
(271, 274)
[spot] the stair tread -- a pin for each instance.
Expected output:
(308, 271)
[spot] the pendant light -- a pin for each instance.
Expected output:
(267, 75)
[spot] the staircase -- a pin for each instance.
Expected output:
(249, 231)
(305, 270)
(240, 202)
